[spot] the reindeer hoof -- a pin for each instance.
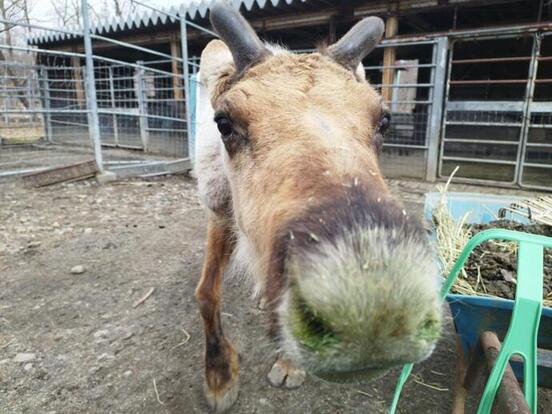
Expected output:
(285, 374)
(222, 399)
(222, 379)
(262, 304)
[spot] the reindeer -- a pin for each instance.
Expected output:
(287, 166)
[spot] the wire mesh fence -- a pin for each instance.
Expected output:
(46, 109)
(482, 103)
(410, 93)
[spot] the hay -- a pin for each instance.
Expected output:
(451, 237)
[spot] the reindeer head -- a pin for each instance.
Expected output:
(349, 276)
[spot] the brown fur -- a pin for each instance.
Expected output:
(306, 150)
(221, 359)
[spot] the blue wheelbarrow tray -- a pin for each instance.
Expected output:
(473, 315)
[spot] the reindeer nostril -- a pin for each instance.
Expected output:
(312, 331)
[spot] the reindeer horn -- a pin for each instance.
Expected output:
(357, 42)
(243, 42)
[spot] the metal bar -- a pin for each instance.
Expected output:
(488, 81)
(403, 85)
(491, 60)
(479, 160)
(438, 92)
(475, 123)
(83, 112)
(539, 145)
(548, 80)
(480, 141)
(55, 121)
(92, 35)
(509, 396)
(184, 44)
(42, 111)
(93, 119)
(420, 65)
(536, 165)
(143, 107)
(113, 105)
(167, 130)
(39, 27)
(61, 53)
(404, 42)
(391, 145)
(46, 104)
(529, 91)
(495, 106)
(409, 102)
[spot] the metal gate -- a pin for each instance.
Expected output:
(63, 108)
(414, 96)
(495, 126)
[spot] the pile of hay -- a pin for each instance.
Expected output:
(491, 268)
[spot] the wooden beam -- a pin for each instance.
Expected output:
(79, 83)
(389, 57)
(177, 80)
(72, 172)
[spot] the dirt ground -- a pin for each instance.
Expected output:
(74, 342)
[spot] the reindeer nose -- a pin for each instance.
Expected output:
(359, 350)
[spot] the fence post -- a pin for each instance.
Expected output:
(114, 116)
(529, 92)
(43, 79)
(184, 42)
(90, 81)
(435, 118)
(142, 105)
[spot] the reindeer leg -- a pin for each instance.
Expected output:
(285, 371)
(221, 359)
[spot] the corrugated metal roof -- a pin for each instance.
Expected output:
(197, 9)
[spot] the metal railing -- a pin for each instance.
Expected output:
(411, 145)
(492, 127)
(60, 107)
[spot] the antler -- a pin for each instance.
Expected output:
(357, 43)
(246, 47)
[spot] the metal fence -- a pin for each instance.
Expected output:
(60, 108)
(414, 99)
(479, 100)
(497, 122)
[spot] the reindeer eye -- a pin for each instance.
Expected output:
(224, 125)
(384, 123)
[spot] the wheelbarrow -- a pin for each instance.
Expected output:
(481, 323)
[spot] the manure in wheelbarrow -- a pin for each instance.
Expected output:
(492, 267)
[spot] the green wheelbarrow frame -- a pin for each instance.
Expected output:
(521, 337)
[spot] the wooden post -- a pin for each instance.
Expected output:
(332, 36)
(388, 78)
(79, 84)
(177, 79)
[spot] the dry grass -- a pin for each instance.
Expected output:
(452, 235)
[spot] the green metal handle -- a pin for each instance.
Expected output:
(522, 334)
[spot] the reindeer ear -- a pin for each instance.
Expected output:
(216, 61)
